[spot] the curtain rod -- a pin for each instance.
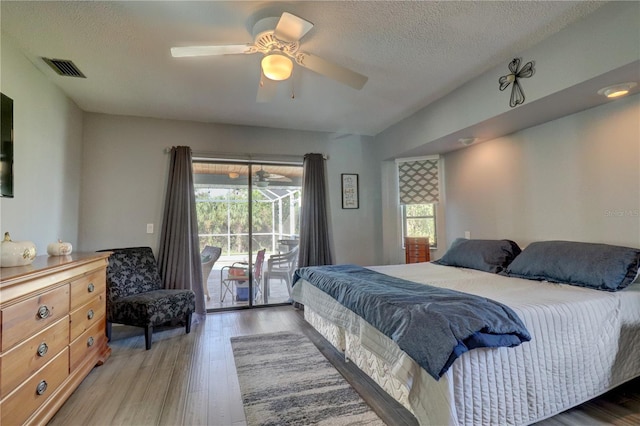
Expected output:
(251, 158)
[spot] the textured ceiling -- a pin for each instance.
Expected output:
(412, 52)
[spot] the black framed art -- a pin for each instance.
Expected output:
(350, 196)
(6, 146)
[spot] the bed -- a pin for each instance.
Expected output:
(585, 334)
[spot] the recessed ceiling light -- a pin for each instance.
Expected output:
(467, 141)
(617, 90)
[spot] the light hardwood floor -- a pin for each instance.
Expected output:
(191, 379)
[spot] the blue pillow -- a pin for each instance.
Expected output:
(483, 255)
(599, 266)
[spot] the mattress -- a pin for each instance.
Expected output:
(583, 343)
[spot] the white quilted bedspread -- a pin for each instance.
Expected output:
(584, 342)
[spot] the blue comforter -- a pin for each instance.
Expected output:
(433, 325)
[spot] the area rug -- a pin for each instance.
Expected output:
(285, 380)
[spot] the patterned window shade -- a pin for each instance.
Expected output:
(418, 181)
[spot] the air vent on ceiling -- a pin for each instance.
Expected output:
(64, 67)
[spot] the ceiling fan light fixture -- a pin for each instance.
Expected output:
(277, 66)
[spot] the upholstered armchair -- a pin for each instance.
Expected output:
(135, 295)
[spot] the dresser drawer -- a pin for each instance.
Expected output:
(87, 315)
(19, 405)
(416, 250)
(88, 344)
(28, 357)
(85, 288)
(32, 315)
(418, 241)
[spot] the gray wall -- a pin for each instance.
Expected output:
(47, 155)
(580, 54)
(97, 180)
(603, 41)
(125, 169)
(577, 178)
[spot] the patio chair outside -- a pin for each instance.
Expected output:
(281, 266)
(209, 256)
(237, 277)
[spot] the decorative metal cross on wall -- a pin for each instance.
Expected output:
(517, 95)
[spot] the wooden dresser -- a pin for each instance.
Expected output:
(416, 249)
(52, 333)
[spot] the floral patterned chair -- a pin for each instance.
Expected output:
(135, 295)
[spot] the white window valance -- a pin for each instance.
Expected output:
(418, 180)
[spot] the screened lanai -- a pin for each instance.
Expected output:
(245, 208)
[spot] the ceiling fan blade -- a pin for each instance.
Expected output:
(331, 70)
(226, 49)
(267, 89)
(291, 27)
(280, 179)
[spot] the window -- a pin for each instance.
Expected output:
(419, 220)
(419, 192)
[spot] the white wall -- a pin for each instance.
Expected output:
(576, 178)
(47, 155)
(125, 169)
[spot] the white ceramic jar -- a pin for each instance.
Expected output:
(59, 249)
(16, 253)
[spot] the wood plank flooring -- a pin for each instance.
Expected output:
(191, 379)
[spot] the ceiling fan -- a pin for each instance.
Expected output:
(278, 39)
(262, 178)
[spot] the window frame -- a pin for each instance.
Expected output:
(403, 209)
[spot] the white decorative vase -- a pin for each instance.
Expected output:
(16, 253)
(59, 249)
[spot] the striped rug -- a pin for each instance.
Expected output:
(285, 380)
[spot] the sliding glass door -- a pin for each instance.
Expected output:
(250, 212)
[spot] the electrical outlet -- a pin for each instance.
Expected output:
(149, 228)
(467, 235)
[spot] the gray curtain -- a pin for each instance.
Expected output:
(315, 244)
(179, 253)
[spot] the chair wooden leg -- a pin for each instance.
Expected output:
(188, 320)
(148, 334)
(108, 331)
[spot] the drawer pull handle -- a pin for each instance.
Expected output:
(42, 349)
(90, 288)
(43, 312)
(90, 341)
(42, 387)
(90, 314)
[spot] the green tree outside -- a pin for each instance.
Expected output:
(223, 219)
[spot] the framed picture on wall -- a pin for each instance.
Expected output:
(350, 196)
(6, 146)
